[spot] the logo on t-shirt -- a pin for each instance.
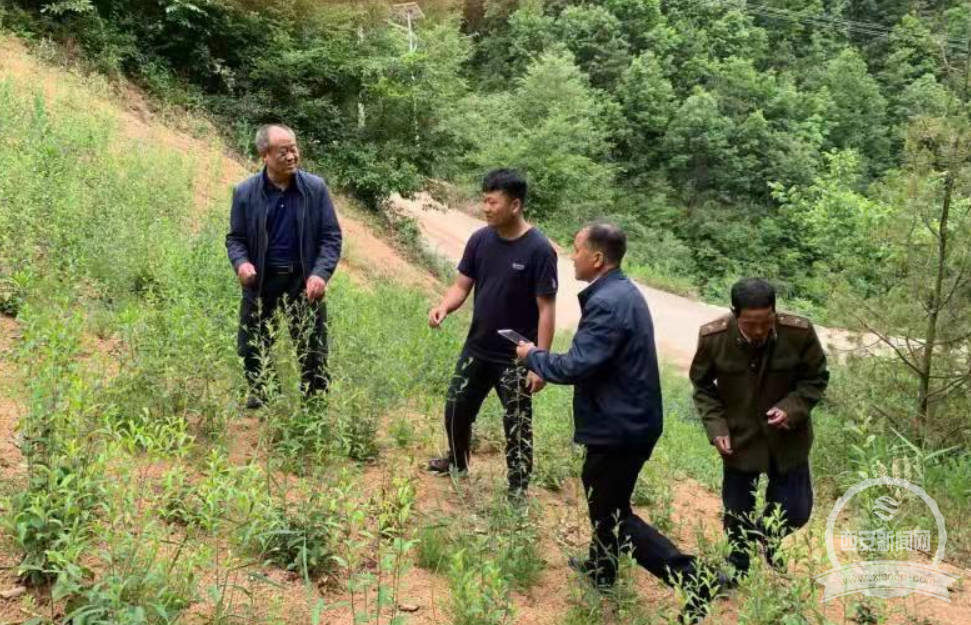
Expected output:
(518, 266)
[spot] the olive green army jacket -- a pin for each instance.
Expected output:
(735, 384)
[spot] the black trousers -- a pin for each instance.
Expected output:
(471, 382)
(791, 492)
(307, 322)
(609, 475)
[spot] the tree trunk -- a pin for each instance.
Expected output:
(937, 297)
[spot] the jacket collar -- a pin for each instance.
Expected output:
(611, 276)
(265, 183)
(742, 342)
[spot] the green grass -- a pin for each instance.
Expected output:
(99, 228)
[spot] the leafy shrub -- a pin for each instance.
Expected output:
(13, 289)
(480, 593)
(517, 544)
(142, 584)
(50, 521)
(300, 538)
(435, 543)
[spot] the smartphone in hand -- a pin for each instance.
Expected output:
(512, 335)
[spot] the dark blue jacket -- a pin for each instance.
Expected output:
(319, 234)
(613, 365)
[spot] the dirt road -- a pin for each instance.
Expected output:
(676, 318)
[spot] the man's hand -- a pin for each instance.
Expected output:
(315, 288)
(436, 316)
(724, 445)
(246, 274)
(523, 349)
(534, 383)
(778, 418)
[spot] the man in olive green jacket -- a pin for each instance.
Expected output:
(757, 375)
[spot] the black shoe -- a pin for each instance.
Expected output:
(602, 582)
(444, 466)
(439, 465)
(310, 392)
(730, 581)
(700, 596)
(253, 402)
(578, 565)
(739, 571)
(692, 614)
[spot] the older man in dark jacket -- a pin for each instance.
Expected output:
(757, 375)
(617, 415)
(284, 243)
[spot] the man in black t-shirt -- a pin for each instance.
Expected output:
(513, 269)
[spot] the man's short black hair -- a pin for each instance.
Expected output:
(608, 239)
(509, 181)
(752, 293)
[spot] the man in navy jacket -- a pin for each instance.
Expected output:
(617, 415)
(284, 243)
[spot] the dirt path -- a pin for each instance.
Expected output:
(676, 318)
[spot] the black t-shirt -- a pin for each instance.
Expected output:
(508, 275)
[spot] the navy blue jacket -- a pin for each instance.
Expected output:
(612, 364)
(319, 234)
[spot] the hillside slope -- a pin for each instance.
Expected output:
(367, 255)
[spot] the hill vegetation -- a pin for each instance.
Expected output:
(719, 132)
(826, 146)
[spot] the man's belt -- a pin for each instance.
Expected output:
(283, 270)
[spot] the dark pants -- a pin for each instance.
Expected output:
(791, 492)
(609, 475)
(307, 322)
(471, 382)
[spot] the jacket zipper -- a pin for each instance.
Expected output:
(264, 238)
(301, 216)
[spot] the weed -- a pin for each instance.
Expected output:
(479, 591)
(435, 543)
(653, 491)
(299, 538)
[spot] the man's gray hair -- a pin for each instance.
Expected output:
(262, 139)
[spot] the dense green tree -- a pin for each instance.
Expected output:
(638, 20)
(857, 117)
(710, 31)
(698, 144)
(507, 44)
(912, 53)
(921, 315)
(836, 225)
(558, 142)
(647, 102)
(596, 38)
